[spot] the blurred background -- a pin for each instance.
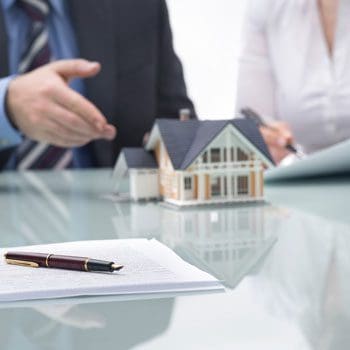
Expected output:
(207, 38)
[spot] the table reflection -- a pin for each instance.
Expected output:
(305, 279)
(226, 241)
(41, 207)
(89, 326)
(302, 283)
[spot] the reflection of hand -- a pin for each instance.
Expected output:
(277, 136)
(44, 108)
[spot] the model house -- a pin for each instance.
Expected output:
(197, 162)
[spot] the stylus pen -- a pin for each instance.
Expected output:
(60, 262)
(250, 114)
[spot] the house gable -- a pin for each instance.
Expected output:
(120, 170)
(162, 155)
(157, 145)
(177, 137)
(229, 145)
(133, 159)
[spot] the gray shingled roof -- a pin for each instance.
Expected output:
(178, 137)
(185, 140)
(139, 158)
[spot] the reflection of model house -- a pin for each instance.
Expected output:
(226, 242)
(215, 233)
(194, 162)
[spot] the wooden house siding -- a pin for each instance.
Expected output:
(261, 183)
(207, 187)
(167, 175)
(253, 184)
(157, 152)
(195, 189)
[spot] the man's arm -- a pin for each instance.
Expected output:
(172, 92)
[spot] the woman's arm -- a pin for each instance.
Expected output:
(256, 81)
(256, 84)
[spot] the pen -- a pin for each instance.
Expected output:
(60, 262)
(250, 114)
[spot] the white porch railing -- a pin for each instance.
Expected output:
(227, 166)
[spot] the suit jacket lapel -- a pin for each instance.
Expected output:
(4, 69)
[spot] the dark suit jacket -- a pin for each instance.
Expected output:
(141, 76)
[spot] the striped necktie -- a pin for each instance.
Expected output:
(31, 154)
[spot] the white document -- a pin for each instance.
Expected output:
(149, 267)
(330, 161)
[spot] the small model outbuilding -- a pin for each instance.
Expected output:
(196, 162)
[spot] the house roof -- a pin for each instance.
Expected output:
(139, 158)
(185, 140)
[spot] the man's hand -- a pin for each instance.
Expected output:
(46, 109)
(277, 136)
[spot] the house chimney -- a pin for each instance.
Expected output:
(184, 114)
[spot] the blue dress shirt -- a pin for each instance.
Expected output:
(63, 46)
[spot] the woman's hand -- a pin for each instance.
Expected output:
(277, 136)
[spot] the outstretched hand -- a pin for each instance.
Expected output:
(43, 106)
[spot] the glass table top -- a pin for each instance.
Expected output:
(285, 264)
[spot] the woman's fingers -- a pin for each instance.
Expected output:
(277, 136)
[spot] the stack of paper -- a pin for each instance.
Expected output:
(330, 161)
(149, 267)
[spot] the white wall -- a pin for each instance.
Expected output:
(207, 38)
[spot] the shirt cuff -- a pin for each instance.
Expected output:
(9, 136)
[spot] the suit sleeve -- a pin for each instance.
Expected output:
(8, 135)
(172, 92)
(256, 83)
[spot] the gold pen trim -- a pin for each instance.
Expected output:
(47, 260)
(86, 265)
(22, 263)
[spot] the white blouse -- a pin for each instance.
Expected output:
(287, 73)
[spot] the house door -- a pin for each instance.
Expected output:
(243, 185)
(189, 187)
(216, 187)
(233, 186)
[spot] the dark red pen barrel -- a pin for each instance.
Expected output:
(62, 262)
(68, 263)
(31, 257)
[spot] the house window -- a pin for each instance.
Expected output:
(188, 183)
(216, 186)
(242, 185)
(225, 155)
(215, 155)
(233, 185)
(233, 158)
(205, 157)
(241, 155)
